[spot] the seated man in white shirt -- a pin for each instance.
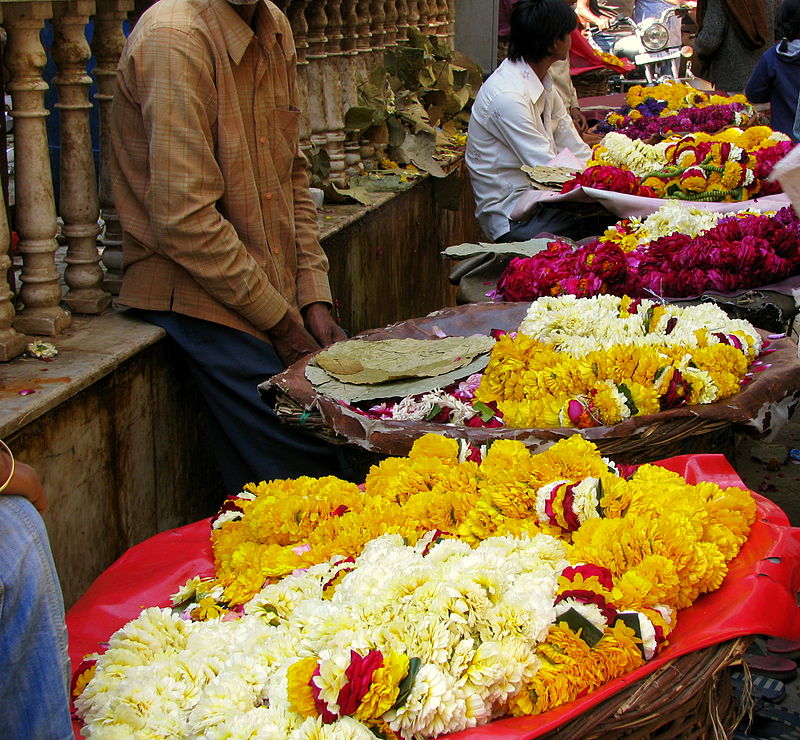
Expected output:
(519, 119)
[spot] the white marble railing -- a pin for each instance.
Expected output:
(338, 41)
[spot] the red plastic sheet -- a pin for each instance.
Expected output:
(584, 58)
(758, 596)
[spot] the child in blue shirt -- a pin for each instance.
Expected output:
(776, 77)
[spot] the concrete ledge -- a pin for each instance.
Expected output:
(90, 349)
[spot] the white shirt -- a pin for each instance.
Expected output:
(516, 120)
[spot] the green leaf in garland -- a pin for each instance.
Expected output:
(433, 413)
(414, 664)
(484, 411)
(579, 624)
(632, 620)
(629, 402)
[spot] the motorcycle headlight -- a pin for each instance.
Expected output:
(655, 37)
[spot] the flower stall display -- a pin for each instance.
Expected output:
(658, 110)
(554, 573)
(590, 362)
(728, 166)
(679, 251)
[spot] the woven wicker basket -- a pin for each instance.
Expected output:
(686, 699)
(641, 439)
(592, 84)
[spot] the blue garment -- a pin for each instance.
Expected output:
(776, 80)
(34, 664)
(251, 444)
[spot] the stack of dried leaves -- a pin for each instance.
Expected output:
(416, 108)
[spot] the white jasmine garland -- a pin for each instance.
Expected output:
(473, 617)
(583, 325)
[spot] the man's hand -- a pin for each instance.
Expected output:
(291, 340)
(579, 120)
(320, 323)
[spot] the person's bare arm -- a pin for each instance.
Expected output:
(24, 481)
(584, 12)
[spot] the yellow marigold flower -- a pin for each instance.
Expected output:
(435, 445)
(207, 609)
(298, 679)
(383, 690)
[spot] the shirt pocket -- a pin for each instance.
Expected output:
(285, 132)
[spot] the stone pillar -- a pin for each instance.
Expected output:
(79, 206)
(377, 31)
(107, 43)
(451, 23)
(441, 19)
(12, 343)
(316, 56)
(333, 70)
(390, 23)
(402, 20)
(296, 12)
(35, 208)
(352, 157)
(413, 14)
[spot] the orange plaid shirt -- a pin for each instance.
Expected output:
(208, 179)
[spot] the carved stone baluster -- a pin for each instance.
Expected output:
(402, 21)
(352, 157)
(363, 39)
(79, 207)
(35, 203)
(451, 23)
(441, 19)
(363, 61)
(12, 343)
(377, 30)
(413, 14)
(425, 17)
(316, 56)
(296, 12)
(334, 69)
(390, 23)
(107, 43)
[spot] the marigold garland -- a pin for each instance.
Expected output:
(576, 574)
(728, 166)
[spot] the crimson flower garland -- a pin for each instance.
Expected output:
(740, 251)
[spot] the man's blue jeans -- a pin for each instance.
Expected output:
(34, 665)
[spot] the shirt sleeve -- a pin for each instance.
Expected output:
(174, 83)
(511, 121)
(759, 86)
(565, 134)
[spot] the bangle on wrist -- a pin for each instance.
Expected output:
(13, 465)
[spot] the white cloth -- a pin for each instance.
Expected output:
(516, 120)
(562, 82)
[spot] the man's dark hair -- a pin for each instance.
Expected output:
(536, 25)
(787, 25)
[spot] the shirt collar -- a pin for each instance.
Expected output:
(533, 85)
(237, 35)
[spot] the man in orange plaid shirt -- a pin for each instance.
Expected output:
(220, 239)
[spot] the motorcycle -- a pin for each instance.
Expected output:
(654, 45)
